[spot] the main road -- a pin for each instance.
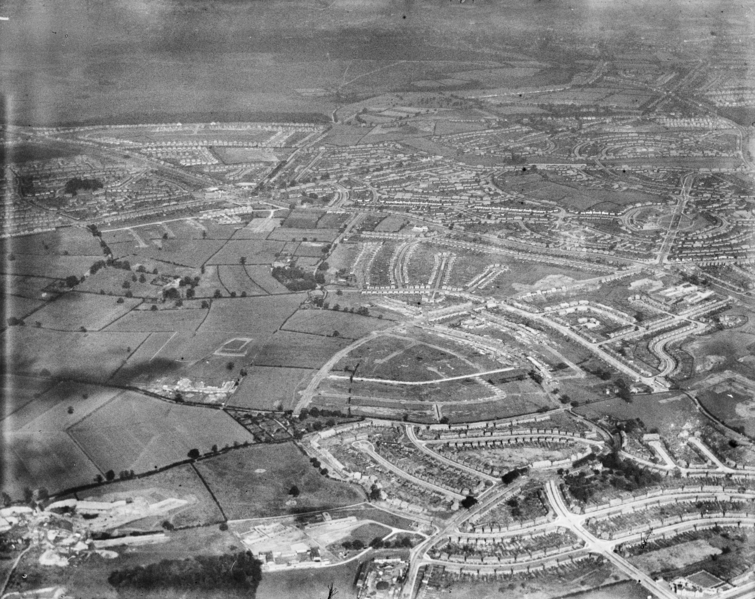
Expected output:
(602, 547)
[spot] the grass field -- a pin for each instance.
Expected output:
(299, 350)
(50, 266)
(185, 252)
(269, 388)
(236, 278)
(90, 356)
(73, 310)
(181, 482)
(324, 322)
(255, 252)
(262, 277)
(17, 391)
(257, 316)
(136, 432)
(254, 482)
(294, 234)
(163, 320)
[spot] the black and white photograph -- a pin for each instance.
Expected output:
(377, 299)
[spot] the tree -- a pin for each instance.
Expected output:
(294, 491)
(190, 293)
(336, 334)
(217, 294)
(110, 475)
(323, 265)
(6, 499)
(242, 260)
(119, 300)
(230, 365)
(71, 281)
(205, 305)
(154, 308)
(193, 454)
(468, 502)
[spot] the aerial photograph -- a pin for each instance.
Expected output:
(377, 299)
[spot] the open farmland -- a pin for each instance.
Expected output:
(254, 482)
(43, 454)
(257, 316)
(324, 322)
(17, 391)
(90, 356)
(181, 482)
(48, 266)
(267, 388)
(261, 275)
(162, 320)
(299, 350)
(137, 432)
(254, 251)
(183, 252)
(73, 310)
(235, 278)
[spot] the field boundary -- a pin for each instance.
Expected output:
(209, 490)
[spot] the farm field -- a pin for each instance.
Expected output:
(255, 252)
(257, 316)
(262, 277)
(183, 252)
(267, 388)
(17, 391)
(299, 350)
(90, 356)
(48, 266)
(111, 280)
(18, 306)
(74, 241)
(73, 310)
(182, 482)
(25, 286)
(294, 234)
(236, 279)
(43, 455)
(163, 320)
(268, 472)
(130, 433)
(324, 322)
